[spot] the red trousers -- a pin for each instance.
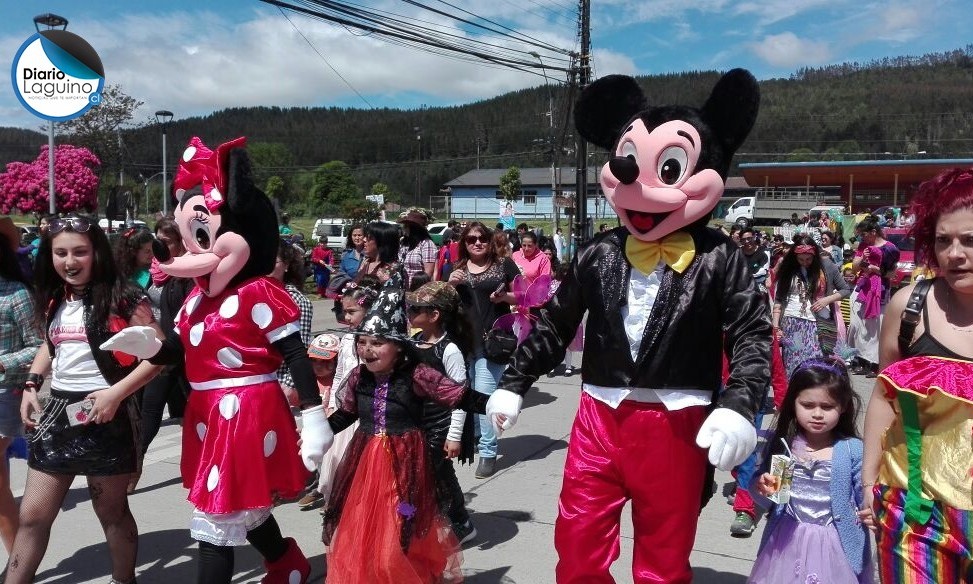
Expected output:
(638, 452)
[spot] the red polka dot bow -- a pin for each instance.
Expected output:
(201, 166)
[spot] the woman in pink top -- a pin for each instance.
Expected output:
(529, 258)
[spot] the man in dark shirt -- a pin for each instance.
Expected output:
(758, 259)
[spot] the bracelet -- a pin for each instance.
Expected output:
(35, 379)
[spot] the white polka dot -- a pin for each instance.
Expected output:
(229, 358)
(229, 405)
(201, 430)
(193, 303)
(261, 315)
(215, 194)
(188, 154)
(230, 306)
(294, 577)
(213, 479)
(196, 334)
(270, 443)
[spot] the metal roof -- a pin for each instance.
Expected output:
(889, 175)
(490, 177)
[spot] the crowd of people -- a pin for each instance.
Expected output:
(395, 387)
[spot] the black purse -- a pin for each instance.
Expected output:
(498, 344)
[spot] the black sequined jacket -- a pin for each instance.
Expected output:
(714, 301)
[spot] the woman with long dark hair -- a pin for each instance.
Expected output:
(482, 279)
(806, 291)
(381, 251)
(19, 340)
(90, 424)
(133, 257)
(170, 387)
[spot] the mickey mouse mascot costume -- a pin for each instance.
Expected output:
(240, 442)
(664, 294)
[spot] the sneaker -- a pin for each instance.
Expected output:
(871, 374)
(312, 500)
(568, 372)
(465, 532)
(743, 525)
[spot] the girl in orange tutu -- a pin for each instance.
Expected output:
(382, 522)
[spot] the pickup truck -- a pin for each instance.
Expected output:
(334, 231)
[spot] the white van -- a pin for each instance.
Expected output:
(334, 231)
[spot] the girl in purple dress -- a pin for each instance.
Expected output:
(816, 535)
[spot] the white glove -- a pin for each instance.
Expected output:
(316, 437)
(729, 437)
(504, 403)
(139, 341)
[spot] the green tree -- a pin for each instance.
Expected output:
(99, 129)
(510, 184)
(360, 211)
(334, 185)
(268, 159)
(275, 188)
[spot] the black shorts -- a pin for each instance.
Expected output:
(56, 447)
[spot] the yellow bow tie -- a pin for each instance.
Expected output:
(677, 250)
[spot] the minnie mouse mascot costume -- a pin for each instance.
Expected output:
(239, 442)
(662, 292)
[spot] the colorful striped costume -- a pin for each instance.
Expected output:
(924, 492)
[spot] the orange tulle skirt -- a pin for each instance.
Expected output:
(366, 545)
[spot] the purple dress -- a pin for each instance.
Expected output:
(804, 547)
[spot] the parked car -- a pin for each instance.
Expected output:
(436, 232)
(332, 230)
(117, 225)
(907, 255)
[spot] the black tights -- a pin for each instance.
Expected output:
(40, 505)
(167, 388)
(216, 562)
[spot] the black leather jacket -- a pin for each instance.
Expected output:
(712, 303)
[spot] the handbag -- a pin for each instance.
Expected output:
(498, 344)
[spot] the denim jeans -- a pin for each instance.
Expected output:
(745, 470)
(485, 375)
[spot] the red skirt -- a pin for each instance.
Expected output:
(367, 543)
(239, 449)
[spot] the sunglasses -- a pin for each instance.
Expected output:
(76, 224)
(747, 239)
(471, 239)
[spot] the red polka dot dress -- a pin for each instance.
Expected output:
(239, 443)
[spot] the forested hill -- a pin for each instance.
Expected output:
(897, 106)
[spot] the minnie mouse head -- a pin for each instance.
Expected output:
(228, 225)
(669, 163)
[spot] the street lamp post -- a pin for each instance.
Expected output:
(550, 115)
(418, 161)
(164, 117)
(51, 21)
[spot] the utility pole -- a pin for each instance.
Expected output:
(583, 79)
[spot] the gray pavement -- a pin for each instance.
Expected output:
(514, 511)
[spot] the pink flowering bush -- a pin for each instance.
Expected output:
(24, 186)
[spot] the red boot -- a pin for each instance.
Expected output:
(290, 568)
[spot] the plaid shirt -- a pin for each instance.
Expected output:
(19, 336)
(415, 259)
(307, 315)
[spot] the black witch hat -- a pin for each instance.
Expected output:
(386, 318)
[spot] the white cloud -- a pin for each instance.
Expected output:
(787, 50)
(195, 63)
(767, 12)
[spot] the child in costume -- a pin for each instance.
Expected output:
(659, 292)
(444, 340)
(383, 523)
(919, 423)
(816, 535)
(240, 444)
(869, 284)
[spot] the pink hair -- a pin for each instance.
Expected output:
(947, 192)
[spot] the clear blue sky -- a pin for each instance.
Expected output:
(197, 57)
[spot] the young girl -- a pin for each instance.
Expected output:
(577, 345)
(90, 425)
(356, 299)
(383, 522)
(444, 341)
(323, 353)
(807, 537)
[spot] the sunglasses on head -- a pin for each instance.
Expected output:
(76, 224)
(471, 239)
